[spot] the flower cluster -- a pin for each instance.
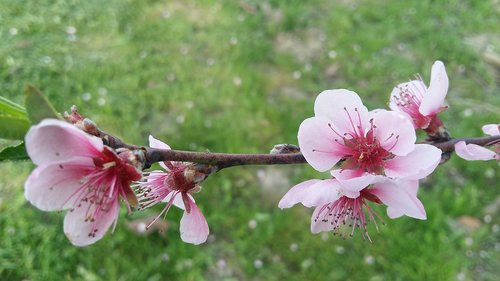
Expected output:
(377, 157)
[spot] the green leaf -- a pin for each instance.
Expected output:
(13, 127)
(13, 120)
(14, 153)
(10, 108)
(38, 106)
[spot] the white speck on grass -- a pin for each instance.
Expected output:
(102, 91)
(221, 264)
(101, 101)
(180, 119)
(460, 276)
(325, 236)
(165, 257)
(141, 227)
(258, 264)
(483, 254)
(240, 18)
(307, 67)
(189, 104)
(210, 61)
(143, 54)
(294, 247)
(332, 54)
(369, 260)
(233, 40)
(86, 96)
(296, 75)
(170, 77)
(237, 81)
(252, 224)
(469, 241)
(356, 48)
(489, 173)
(46, 59)
(184, 51)
(487, 218)
(71, 30)
(461, 68)
(208, 124)
(13, 31)
(495, 228)
(340, 250)
(165, 14)
(307, 263)
(467, 112)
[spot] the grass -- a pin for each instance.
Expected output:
(240, 76)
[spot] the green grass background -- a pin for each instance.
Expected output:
(240, 76)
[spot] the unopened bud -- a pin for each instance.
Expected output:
(136, 157)
(284, 149)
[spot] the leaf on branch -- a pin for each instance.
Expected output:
(13, 120)
(14, 153)
(38, 106)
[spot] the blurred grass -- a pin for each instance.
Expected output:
(240, 76)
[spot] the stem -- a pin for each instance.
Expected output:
(225, 160)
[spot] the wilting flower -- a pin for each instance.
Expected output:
(379, 142)
(342, 206)
(175, 186)
(419, 103)
(76, 172)
(476, 152)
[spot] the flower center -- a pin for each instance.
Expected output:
(346, 214)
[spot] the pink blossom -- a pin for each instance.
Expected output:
(341, 206)
(379, 142)
(475, 152)
(419, 103)
(175, 186)
(76, 172)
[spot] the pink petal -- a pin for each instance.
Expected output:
(54, 140)
(394, 131)
(418, 164)
(318, 225)
(155, 143)
(474, 152)
(296, 194)
(194, 227)
(317, 143)
(400, 198)
(491, 129)
(351, 187)
(436, 93)
(77, 229)
(332, 104)
(311, 193)
(50, 187)
(177, 200)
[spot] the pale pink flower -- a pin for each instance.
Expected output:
(419, 103)
(379, 142)
(76, 172)
(341, 206)
(175, 186)
(475, 152)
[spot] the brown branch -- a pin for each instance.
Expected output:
(225, 160)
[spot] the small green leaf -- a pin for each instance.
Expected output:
(13, 127)
(14, 153)
(38, 106)
(10, 108)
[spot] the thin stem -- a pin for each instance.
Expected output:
(225, 160)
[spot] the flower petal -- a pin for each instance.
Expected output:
(418, 164)
(351, 187)
(400, 197)
(319, 225)
(54, 140)
(491, 129)
(82, 232)
(177, 202)
(317, 143)
(50, 187)
(474, 152)
(436, 93)
(194, 227)
(156, 143)
(394, 131)
(296, 194)
(344, 109)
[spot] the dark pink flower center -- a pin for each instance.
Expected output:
(409, 101)
(346, 214)
(363, 151)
